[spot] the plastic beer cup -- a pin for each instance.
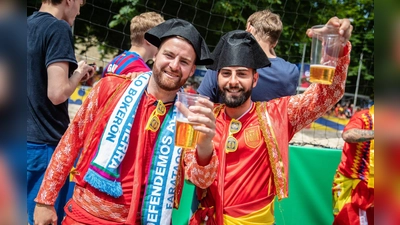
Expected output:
(185, 135)
(325, 49)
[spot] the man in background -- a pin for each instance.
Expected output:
(141, 51)
(52, 76)
(353, 184)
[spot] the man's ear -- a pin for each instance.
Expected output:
(155, 55)
(248, 26)
(154, 58)
(255, 78)
(193, 70)
(274, 44)
(68, 2)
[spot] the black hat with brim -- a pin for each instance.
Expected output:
(238, 48)
(182, 28)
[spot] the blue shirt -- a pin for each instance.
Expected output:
(49, 40)
(125, 63)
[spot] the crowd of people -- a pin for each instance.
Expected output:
(128, 170)
(344, 110)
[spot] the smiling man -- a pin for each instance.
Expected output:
(128, 171)
(252, 138)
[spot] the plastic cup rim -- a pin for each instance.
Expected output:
(193, 95)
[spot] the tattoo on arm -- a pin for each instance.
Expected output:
(358, 135)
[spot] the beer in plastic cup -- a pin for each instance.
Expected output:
(185, 135)
(325, 49)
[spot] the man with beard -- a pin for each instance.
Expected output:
(275, 81)
(252, 138)
(129, 171)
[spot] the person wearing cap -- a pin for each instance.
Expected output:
(353, 183)
(252, 138)
(129, 171)
(278, 80)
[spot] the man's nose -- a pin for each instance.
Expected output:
(174, 64)
(233, 79)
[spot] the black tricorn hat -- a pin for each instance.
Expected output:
(178, 27)
(238, 48)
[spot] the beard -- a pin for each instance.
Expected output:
(164, 82)
(234, 101)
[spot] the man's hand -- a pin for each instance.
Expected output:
(85, 70)
(44, 215)
(344, 28)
